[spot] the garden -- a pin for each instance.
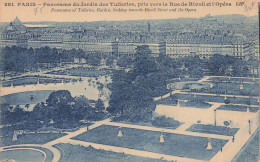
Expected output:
(212, 129)
(83, 72)
(227, 79)
(209, 98)
(159, 122)
(175, 144)
(232, 89)
(89, 154)
(238, 108)
(33, 80)
(32, 138)
(192, 102)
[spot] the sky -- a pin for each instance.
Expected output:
(40, 11)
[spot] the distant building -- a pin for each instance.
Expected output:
(148, 27)
(111, 41)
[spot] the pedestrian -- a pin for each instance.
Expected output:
(233, 139)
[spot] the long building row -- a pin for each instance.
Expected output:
(17, 34)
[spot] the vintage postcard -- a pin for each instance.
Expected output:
(129, 80)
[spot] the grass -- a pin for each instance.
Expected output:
(175, 144)
(206, 98)
(89, 154)
(23, 98)
(193, 103)
(149, 124)
(233, 79)
(251, 150)
(35, 138)
(233, 89)
(238, 108)
(211, 129)
(84, 72)
(29, 80)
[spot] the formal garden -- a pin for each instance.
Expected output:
(212, 129)
(231, 89)
(232, 79)
(193, 103)
(34, 137)
(83, 72)
(34, 80)
(174, 144)
(238, 108)
(159, 122)
(211, 98)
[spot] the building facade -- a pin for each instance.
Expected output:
(106, 41)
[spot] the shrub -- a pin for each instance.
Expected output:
(163, 121)
(227, 101)
(226, 123)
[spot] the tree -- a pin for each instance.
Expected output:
(120, 93)
(109, 60)
(132, 92)
(94, 59)
(61, 97)
(124, 61)
(100, 106)
(81, 108)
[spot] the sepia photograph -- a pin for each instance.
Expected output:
(129, 81)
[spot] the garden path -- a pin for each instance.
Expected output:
(231, 149)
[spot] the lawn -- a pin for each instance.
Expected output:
(89, 154)
(206, 98)
(193, 103)
(249, 153)
(30, 80)
(23, 98)
(212, 129)
(35, 138)
(175, 144)
(149, 124)
(233, 79)
(238, 108)
(233, 89)
(82, 71)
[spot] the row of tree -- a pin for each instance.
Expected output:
(18, 59)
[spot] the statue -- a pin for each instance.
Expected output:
(178, 103)
(161, 138)
(241, 86)
(120, 133)
(209, 147)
